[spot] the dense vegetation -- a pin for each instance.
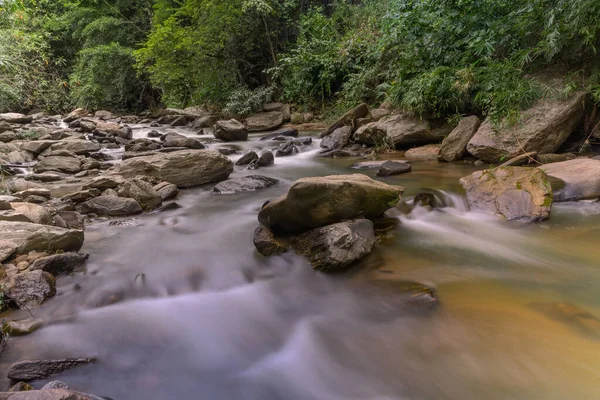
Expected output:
(443, 57)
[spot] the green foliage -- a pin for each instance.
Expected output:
(243, 102)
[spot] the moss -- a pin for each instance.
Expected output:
(519, 185)
(548, 200)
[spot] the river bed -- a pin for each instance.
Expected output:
(178, 305)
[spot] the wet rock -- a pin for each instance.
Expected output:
(55, 385)
(186, 168)
(142, 144)
(454, 146)
(30, 289)
(34, 213)
(27, 237)
(543, 129)
(337, 139)
(390, 168)
(286, 149)
(45, 177)
(554, 158)
(319, 201)
(247, 158)
(67, 165)
(515, 193)
(166, 190)
(20, 387)
(396, 130)
(425, 199)
(286, 132)
(264, 121)
(423, 153)
(577, 179)
(77, 146)
(110, 206)
(185, 142)
(179, 121)
(23, 326)
(266, 159)
(69, 220)
(59, 264)
(141, 191)
(204, 122)
(38, 369)
(82, 195)
(154, 134)
(335, 247)
(231, 130)
(248, 183)
(348, 119)
(266, 243)
(228, 150)
(75, 114)
(16, 118)
(37, 146)
(105, 182)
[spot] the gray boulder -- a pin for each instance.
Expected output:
(337, 139)
(247, 158)
(140, 191)
(77, 146)
(25, 237)
(34, 213)
(38, 369)
(264, 121)
(185, 168)
(267, 158)
(319, 201)
(542, 129)
(390, 168)
(348, 119)
(166, 190)
(31, 288)
(37, 146)
(335, 247)
(266, 243)
(231, 130)
(59, 264)
(248, 183)
(454, 146)
(67, 165)
(577, 179)
(110, 206)
(398, 130)
(515, 193)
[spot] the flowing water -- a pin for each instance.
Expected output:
(178, 305)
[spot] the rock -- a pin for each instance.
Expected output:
(179, 121)
(34, 213)
(16, 118)
(59, 264)
(69, 220)
(264, 121)
(285, 132)
(390, 168)
(454, 146)
(554, 158)
(543, 129)
(12, 215)
(77, 146)
(247, 158)
(75, 114)
(154, 134)
(105, 182)
(267, 158)
(103, 114)
(287, 149)
(348, 119)
(110, 206)
(184, 142)
(577, 179)
(38, 369)
(185, 168)
(140, 191)
(37, 146)
(266, 243)
(374, 164)
(337, 139)
(516, 193)
(108, 127)
(67, 165)
(166, 190)
(272, 107)
(45, 177)
(30, 289)
(23, 326)
(142, 144)
(55, 394)
(28, 236)
(34, 192)
(86, 126)
(248, 183)
(334, 247)
(5, 205)
(319, 201)
(55, 385)
(204, 122)
(82, 195)
(398, 130)
(423, 153)
(425, 199)
(379, 113)
(20, 387)
(229, 131)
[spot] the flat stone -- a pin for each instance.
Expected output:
(38, 369)
(390, 168)
(110, 206)
(29, 236)
(248, 183)
(23, 326)
(577, 179)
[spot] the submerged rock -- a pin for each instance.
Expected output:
(516, 193)
(577, 179)
(23, 326)
(319, 201)
(390, 168)
(335, 247)
(248, 183)
(38, 369)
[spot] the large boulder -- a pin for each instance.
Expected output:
(31, 288)
(577, 179)
(59, 264)
(423, 153)
(250, 183)
(391, 167)
(542, 129)
(338, 138)
(25, 237)
(319, 201)
(185, 168)
(37, 146)
(69, 165)
(110, 206)
(230, 131)
(34, 213)
(335, 247)
(398, 130)
(515, 193)
(348, 119)
(16, 118)
(264, 121)
(140, 191)
(454, 146)
(77, 146)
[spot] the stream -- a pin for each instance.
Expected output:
(179, 305)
